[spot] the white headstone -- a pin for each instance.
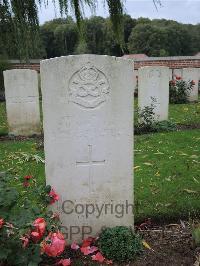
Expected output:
(88, 133)
(22, 102)
(190, 74)
(177, 72)
(154, 85)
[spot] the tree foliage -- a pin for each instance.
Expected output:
(22, 37)
(160, 38)
(25, 23)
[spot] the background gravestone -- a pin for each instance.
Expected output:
(22, 102)
(153, 83)
(192, 74)
(88, 133)
(178, 73)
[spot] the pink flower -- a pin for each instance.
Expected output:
(74, 246)
(1, 222)
(64, 262)
(88, 250)
(54, 244)
(193, 82)
(54, 197)
(98, 257)
(28, 177)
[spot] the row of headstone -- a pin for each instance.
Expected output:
(153, 88)
(22, 97)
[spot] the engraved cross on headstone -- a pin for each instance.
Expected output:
(90, 163)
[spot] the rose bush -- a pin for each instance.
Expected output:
(25, 221)
(179, 90)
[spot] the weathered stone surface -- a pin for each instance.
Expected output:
(22, 102)
(88, 133)
(154, 84)
(192, 74)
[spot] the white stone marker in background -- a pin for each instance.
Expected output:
(178, 73)
(88, 134)
(154, 83)
(22, 102)
(192, 74)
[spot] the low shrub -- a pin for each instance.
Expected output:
(146, 121)
(120, 244)
(179, 90)
(163, 126)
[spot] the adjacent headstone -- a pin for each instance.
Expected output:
(88, 137)
(154, 89)
(177, 73)
(190, 74)
(22, 102)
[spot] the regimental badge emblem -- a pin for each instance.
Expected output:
(88, 87)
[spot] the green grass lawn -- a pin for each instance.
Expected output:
(13, 158)
(3, 120)
(167, 175)
(167, 172)
(185, 113)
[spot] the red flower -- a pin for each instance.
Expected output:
(40, 226)
(74, 246)
(54, 197)
(193, 82)
(64, 262)
(35, 236)
(178, 77)
(88, 250)
(87, 242)
(173, 82)
(28, 177)
(26, 184)
(25, 241)
(98, 257)
(54, 244)
(1, 222)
